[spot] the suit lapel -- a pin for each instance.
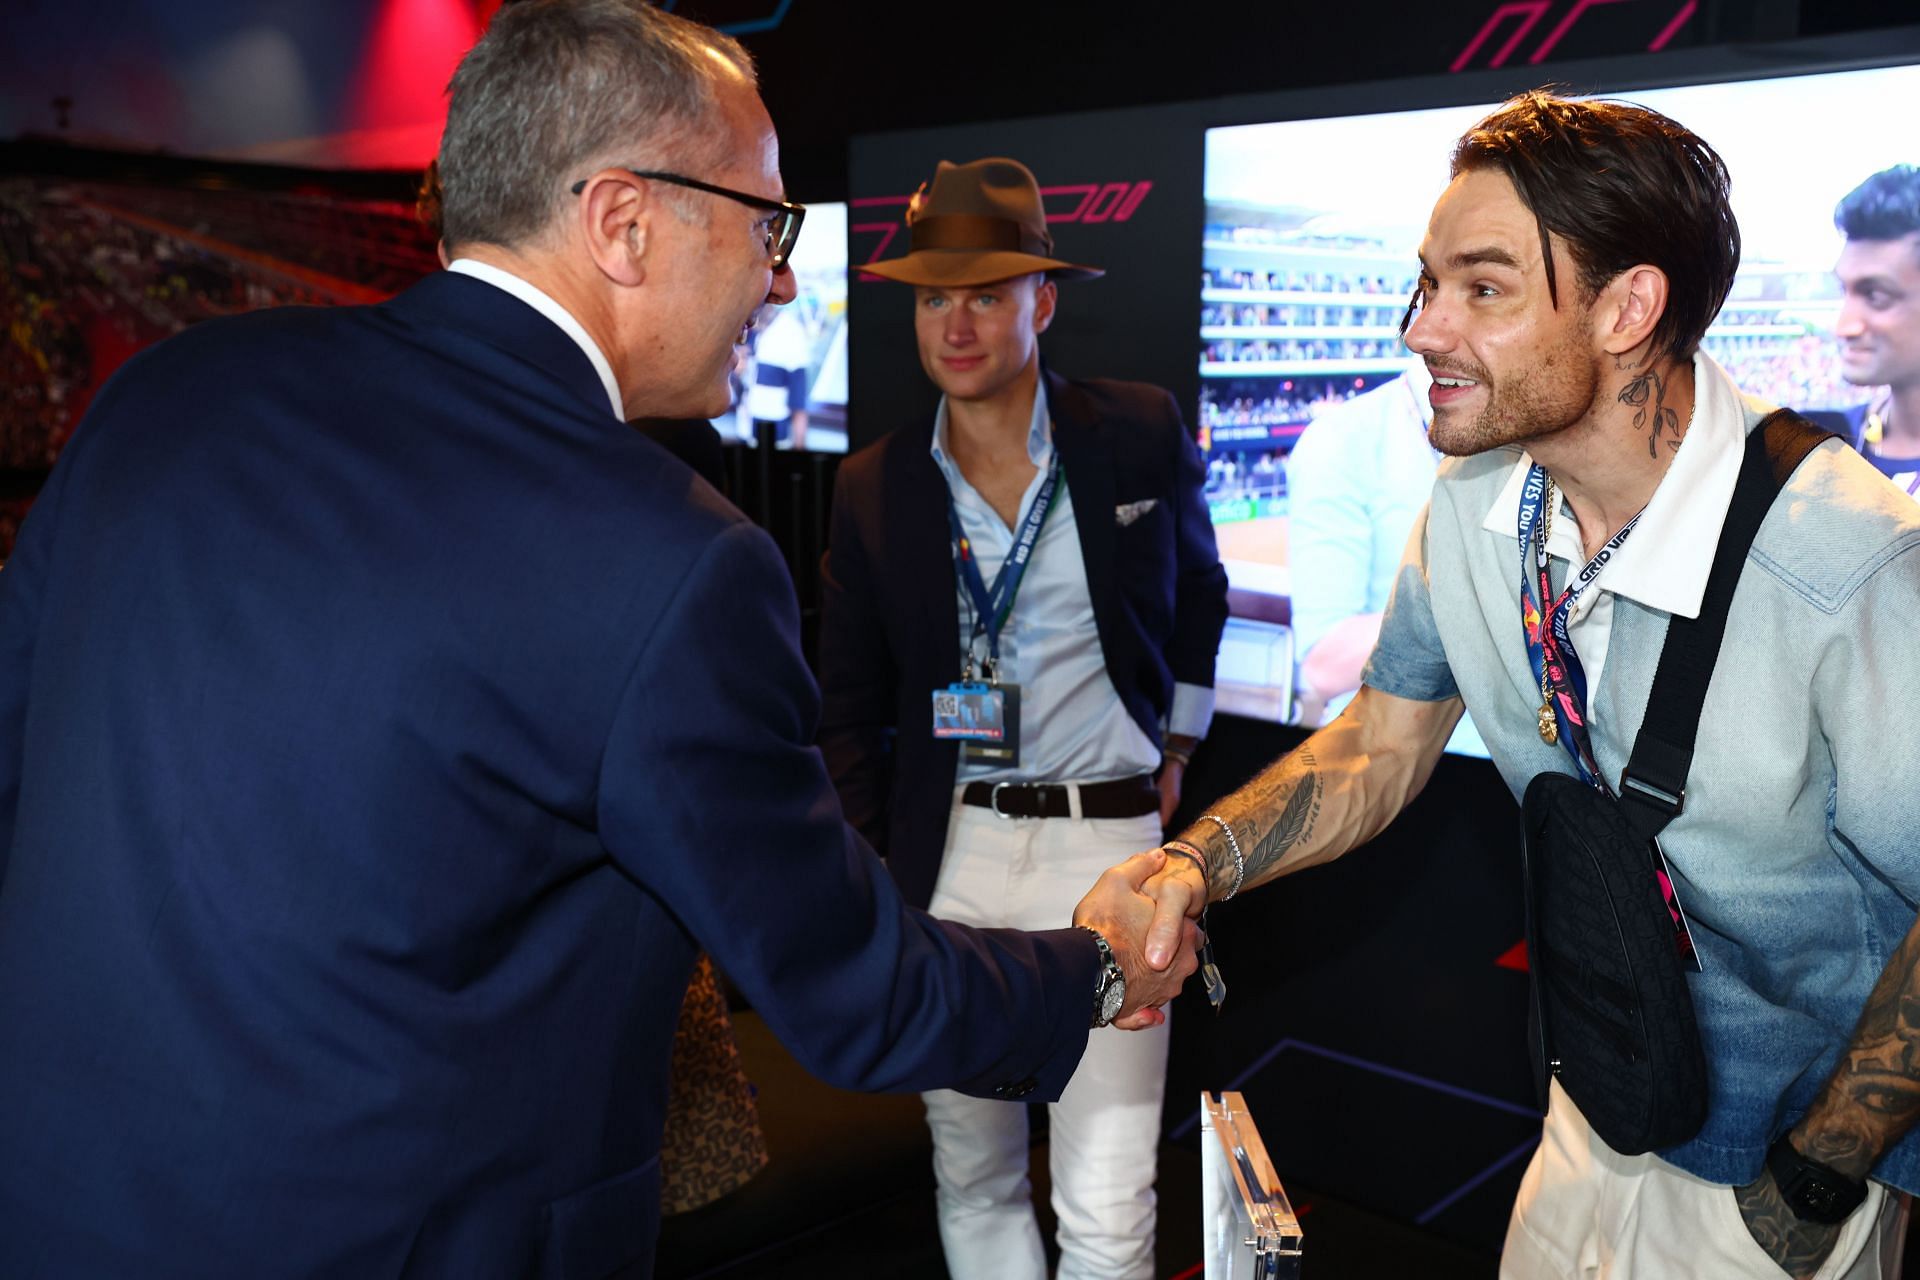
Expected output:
(916, 524)
(1088, 468)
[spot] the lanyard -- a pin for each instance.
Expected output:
(1550, 651)
(991, 606)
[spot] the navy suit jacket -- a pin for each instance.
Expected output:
(381, 724)
(890, 613)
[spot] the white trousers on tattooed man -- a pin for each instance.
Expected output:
(1586, 1212)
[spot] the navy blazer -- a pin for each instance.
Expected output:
(890, 613)
(382, 727)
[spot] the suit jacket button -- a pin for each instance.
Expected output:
(1016, 1090)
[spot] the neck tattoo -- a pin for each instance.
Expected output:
(1647, 394)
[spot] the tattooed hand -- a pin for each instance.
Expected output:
(1798, 1246)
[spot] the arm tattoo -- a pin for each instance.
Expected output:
(1274, 813)
(1799, 1247)
(1873, 1097)
(1272, 837)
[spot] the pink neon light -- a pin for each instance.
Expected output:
(1132, 202)
(887, 232)
(867, 202)
(1573, 16)
(1672, 29)
(1107, 201)
(1533, 9)
(1086, 194)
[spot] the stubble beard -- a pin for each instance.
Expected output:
(1555, 394)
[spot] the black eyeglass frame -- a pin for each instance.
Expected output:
(786, 231)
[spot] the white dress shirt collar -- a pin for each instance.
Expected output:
(1664, 564)
(544, 303)
(1039, 435)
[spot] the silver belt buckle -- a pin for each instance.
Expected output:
(993, 802)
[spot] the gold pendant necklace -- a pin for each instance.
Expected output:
(1549, 723)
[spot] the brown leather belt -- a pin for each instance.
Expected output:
(1121, 798)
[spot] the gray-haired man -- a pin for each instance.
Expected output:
(384, 724)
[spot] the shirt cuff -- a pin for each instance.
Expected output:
(1192, 713)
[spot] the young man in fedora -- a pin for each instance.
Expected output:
(1022, 601)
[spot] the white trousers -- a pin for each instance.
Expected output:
(1586, 1212)
(1104, 1133)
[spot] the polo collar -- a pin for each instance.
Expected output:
(1665, 564)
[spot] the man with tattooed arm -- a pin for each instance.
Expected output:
(1568, 272)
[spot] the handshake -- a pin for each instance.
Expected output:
(1144, 908)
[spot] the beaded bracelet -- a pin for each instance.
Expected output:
(1181, 848)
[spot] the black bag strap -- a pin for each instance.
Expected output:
(1653, 785)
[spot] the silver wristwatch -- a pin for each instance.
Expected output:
(1110, 989)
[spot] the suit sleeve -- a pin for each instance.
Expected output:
(23, 584)
(714, 798)
(859, 678)
(1200, 583)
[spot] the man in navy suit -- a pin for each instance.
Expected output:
(383, 720)
(1022, 603)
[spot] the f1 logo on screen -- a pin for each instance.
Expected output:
(1086, 202)
(1529, 12)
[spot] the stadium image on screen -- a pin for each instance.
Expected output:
(1312, 414)
(796, 374)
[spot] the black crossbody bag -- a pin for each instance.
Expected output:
(1610, 1016)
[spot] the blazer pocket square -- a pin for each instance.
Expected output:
(1127, 512)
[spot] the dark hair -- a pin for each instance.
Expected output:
(558, 88)
(1884, 207)
(1620, 185)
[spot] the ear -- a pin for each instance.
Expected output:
(1046, 296)
(1630, 307)
(614, 218)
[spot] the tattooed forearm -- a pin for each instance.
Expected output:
(1646, 392)
(1873, 1097)
(1271, 815)
(1331, 794)
(1799, 1247)
(1274, 836)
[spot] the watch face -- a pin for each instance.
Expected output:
(1112, 998)
(1815, 1198)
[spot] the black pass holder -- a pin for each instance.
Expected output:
(1610, 1015)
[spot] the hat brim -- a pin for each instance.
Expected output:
(967, 268)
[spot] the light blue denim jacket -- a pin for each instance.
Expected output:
(1797, 856)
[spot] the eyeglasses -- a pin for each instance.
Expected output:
(782, 231)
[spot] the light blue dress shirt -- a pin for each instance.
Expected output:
(1073, 726)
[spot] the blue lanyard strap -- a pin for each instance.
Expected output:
(992, 606)
(1556, 665)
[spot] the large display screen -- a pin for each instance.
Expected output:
(795, 379)
(1313, 415)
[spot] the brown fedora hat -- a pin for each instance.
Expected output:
(975, 224)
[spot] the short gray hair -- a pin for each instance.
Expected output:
(558, 89)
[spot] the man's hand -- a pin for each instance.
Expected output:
(1798, 1246)
(1179, 895)
(1119, 912)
